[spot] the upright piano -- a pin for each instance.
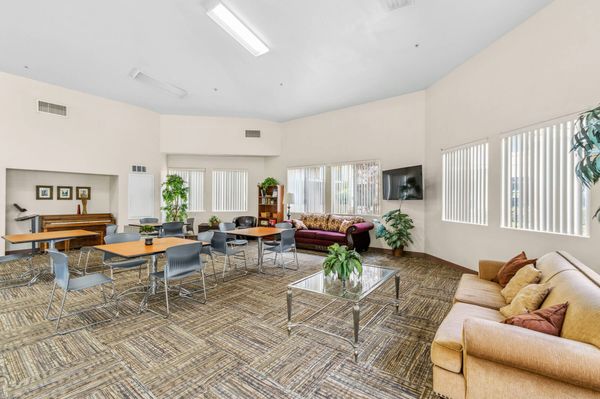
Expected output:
(95, 222)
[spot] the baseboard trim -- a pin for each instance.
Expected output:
(415, 254)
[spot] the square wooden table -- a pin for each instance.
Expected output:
(136, 249)
(259, 233)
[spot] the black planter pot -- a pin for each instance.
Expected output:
(148, 241)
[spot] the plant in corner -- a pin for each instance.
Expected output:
(175, 197)
(397, 234)
(586, 143)
(214, 221)
(342, 261)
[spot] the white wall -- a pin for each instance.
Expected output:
(545, 68)
(256, 173)
(98, 136)
(391, 130)
(218, 136)
(20, 189)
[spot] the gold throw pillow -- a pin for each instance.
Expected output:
(525, 276)
(527, 300)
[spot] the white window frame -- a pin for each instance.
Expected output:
(465, 180)
(197, 192)
(541, 177)
(305, 190)
(377, 193)
(243, 196)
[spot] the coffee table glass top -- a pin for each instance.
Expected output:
(357, 287)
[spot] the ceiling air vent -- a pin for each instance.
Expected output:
(253, 134)
(393, 5)
(50, 108)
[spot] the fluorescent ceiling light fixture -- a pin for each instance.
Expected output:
(137, 74)
(236, 28)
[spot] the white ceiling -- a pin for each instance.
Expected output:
(328, 54)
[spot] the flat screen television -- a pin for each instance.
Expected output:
(403, 183)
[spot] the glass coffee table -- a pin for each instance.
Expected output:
(356, 289)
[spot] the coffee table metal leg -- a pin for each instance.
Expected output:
(260, 254)
(356, 317)
(153, 269)
(289, 310)
(397, 302)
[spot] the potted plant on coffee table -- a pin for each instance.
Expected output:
(214, 221)
(397, 232)
(342, 262)
(146, 231)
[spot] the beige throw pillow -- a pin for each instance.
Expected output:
(527, 300)
(525, 276)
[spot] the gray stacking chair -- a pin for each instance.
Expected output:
(110, 230)
(148, 220)
(63, 281)
(207, 236)
(13, 260)
(172, 229)
(114, 262)
(182, 261)
(287, 244)
(231, 238)
(220, 246)
(282, 225)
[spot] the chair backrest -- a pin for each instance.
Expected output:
(287, 239)
(117, 238)
(183, 259)
(61, 268)
(206, 236)
(219, 241)
(111, 229)
(226, 226)
(190, 225)
(148, 220)
(172, 229)
(284, 225)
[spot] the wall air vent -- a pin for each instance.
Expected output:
(253, 134)
(138, 168)
(50, 108)
(392, 5)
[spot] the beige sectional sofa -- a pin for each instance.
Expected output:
(476, 356)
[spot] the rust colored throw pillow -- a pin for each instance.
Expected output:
(548, 320)
(510, 268)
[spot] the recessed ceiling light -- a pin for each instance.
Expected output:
(137, 74)
(236, 28)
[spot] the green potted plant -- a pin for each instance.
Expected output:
(264, 186)
(342, 262)
(397, 234)
(586, 142)
(214, 221)
(175, 198)
(145, 231)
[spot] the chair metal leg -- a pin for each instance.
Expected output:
(112, 278)
(245, 261)
(296, 256)
(87, 261)
(167, 296)
(275, 259)
(213, 267)
(140, 275)
(62, 306)
(51, 299)
(225, 265)
(204, 285)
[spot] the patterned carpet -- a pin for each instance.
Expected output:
(235, 346)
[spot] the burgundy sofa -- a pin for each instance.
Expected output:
(322, 234)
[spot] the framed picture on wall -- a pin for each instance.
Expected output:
(83, 192)
(64, 192)
(43, 192)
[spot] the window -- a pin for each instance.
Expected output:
(230, 190)
(465, 184)
(308, 186)
(195, 181)
(355, 188)
(540, 191)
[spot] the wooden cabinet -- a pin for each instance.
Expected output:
(270, 205)
(95, 222)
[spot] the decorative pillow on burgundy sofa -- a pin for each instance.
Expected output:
(335, 222)
(345, 225)
(511, 268)
(299, 224)
(548, 320)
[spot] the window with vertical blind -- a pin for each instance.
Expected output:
(540, 191)
(465, 184)
(308, 186)
(355, 188)
(195, 181)
(230, 190)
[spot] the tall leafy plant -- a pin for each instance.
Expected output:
(342, 261)
(397, 234)
(586, 142)
(175, 197)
